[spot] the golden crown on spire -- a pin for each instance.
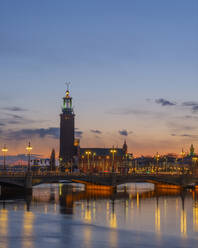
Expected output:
(67, 92)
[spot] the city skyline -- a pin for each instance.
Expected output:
(133, 70)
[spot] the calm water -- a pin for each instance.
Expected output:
(65, 215)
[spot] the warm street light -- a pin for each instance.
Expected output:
(94, 154)
(29, 148)
(183, 155)
(166, 160)
(194, 163)
(157, 157)
(113, 151)
(88, 153)
(4, 150)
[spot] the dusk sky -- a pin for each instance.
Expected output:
(133, 67)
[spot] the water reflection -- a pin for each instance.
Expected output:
(4, 226)
(183, 218)
(113, 239)
(195, 215)
(137, 207)
(183, 223)
(87, 236)
(157, 217)
(113, 220)
(87, 213)
(28, 226)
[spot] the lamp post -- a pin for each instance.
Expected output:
(88, 153)
(82, 163)
(194, 163)
(29, 148)
(166, 160)
(94, 165)
(157, 157)
(183, 155)
(4, 150)
(113, 151)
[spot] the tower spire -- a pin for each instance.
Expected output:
(68, 84)
(67, 101)
(67, 92)
(125, 147)
(67, 128)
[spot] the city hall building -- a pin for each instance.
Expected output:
(86, 159)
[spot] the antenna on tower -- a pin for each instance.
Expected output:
(68, 84)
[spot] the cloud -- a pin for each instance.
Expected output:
(193, 105)
(78, 134)
(192, 136)
(188, 135)
(20, 157)
(124, 132)
(138, 113)
(177, 127)
(28, 133)
(14, 109)
(190, 103)
(18, 117)
(14, 119)
(164, 102)
(96, 131)
(128, 111)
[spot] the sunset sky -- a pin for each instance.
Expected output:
(133, 65)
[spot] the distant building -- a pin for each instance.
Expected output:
(43, 164)
(192, 151)
(40, 162)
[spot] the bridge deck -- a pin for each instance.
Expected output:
(23, 179)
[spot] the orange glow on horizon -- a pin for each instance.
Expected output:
(147, 147)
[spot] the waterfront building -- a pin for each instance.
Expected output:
(72, 156)
(104, 159)
(43, 164)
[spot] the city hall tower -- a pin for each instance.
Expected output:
(67, 130)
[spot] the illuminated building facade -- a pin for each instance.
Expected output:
(104, 159)
(67, 130)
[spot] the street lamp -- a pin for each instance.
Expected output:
(94, 165)
(194, 163)
(88, 153)
(29, 148)
(4, 150)
(183, 155)
(157, 157)
(166, 160)
(113, 151)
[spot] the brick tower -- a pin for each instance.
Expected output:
(67, 130)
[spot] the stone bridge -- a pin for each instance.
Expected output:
(28, 180)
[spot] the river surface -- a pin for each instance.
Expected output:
(67, 215)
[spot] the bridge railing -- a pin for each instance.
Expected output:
(12, 174)
(79, 174)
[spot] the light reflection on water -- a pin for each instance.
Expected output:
(28, 224)
(134, 207)
(4, 226)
